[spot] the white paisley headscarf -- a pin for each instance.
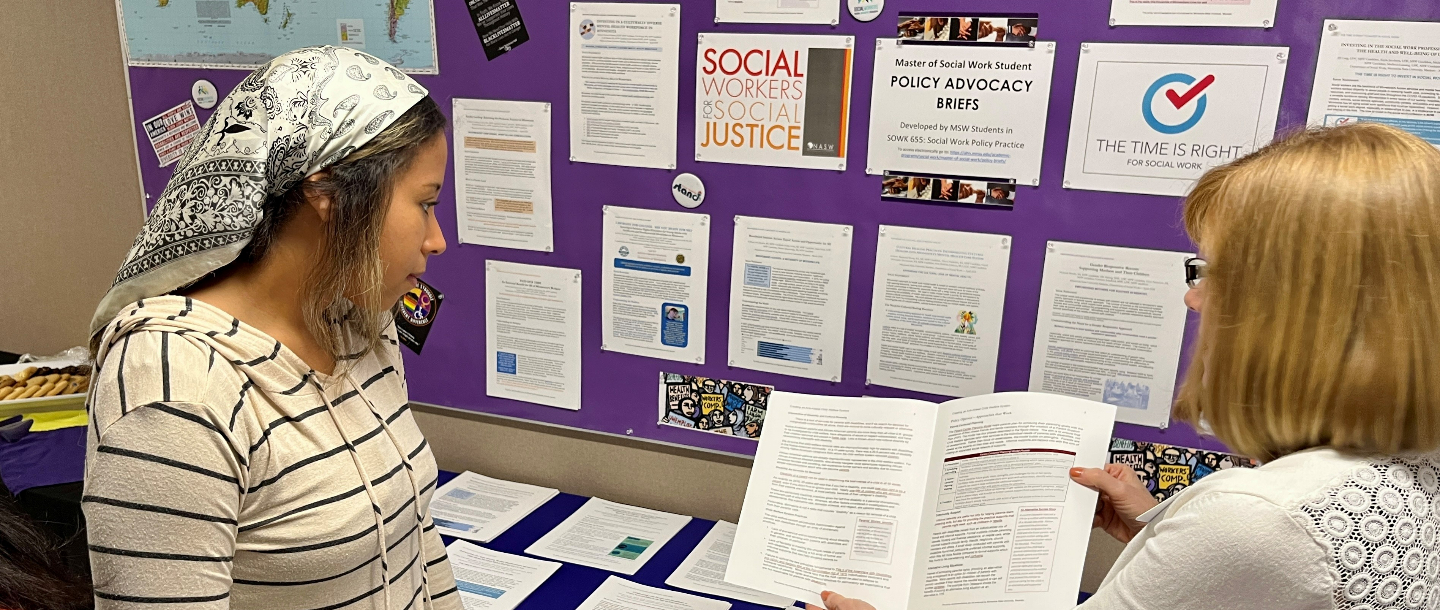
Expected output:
(290, 118)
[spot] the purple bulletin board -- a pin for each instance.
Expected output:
(620, 390)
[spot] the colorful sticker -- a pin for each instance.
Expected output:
(1167, 470)
(414, 314)
(717, 406)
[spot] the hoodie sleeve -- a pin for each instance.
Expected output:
(163, 480)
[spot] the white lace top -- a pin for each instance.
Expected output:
(1316, 529)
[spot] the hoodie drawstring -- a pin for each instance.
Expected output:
(414, 486)
(369, 491)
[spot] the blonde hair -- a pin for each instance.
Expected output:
(1321, 308)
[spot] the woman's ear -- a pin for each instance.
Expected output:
(319, 202)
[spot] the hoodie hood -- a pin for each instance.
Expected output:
(271, 366)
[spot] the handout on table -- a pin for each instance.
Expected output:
(491, 580)
(609, 536)
(477, 507)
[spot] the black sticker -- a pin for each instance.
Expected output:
(415, 313)
(499, 25)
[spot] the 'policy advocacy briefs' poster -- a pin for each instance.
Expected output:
(959, 110)
(1151, 118)
(770, 99)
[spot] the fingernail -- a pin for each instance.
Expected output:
(1075, 472)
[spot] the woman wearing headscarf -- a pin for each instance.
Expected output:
(251, 443)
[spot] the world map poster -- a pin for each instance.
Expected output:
(244, 34)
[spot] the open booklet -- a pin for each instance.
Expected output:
(912, 505)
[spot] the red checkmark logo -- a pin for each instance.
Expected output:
(1181, 99)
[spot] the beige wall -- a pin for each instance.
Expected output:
(69, 188)
(620, 469)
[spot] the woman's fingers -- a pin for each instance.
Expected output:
(1123, 497)
(1099, 480)
(836, 601)
(1123, 473)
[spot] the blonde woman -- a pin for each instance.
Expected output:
(251, 445)
(1320, 312)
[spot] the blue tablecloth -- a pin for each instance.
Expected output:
(571, 584)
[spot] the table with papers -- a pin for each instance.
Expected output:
(572, 584)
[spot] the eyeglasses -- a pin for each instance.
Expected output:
(1194, 271)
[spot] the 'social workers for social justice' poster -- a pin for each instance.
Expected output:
(960, 110)
(770, 99)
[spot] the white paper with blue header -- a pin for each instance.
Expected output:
(476, 507)
(1151, 118)
(1378, 72)
(532, 333)
(655, 270)
(789, 283)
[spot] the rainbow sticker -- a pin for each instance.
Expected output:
(418, 305)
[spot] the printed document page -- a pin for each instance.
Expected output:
(624, 83)
(479, 508)
(1109, 329)
(777, 11)
(789, 283)
(491, 580)
(1009, 529)
(619, 594)
(609, 536)
(836, 499)
(502, 174)
(532, 333)
(1215, 13)
(936, 310)
(703, 570)
(655, 270)
(1379, 72)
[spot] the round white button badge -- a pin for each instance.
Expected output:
(688, 190)
(866, 10)
(204, 94)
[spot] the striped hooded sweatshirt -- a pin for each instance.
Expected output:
(222, 472)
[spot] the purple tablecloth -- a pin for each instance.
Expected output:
(43, 458)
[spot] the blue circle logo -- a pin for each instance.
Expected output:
(1177, 99)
